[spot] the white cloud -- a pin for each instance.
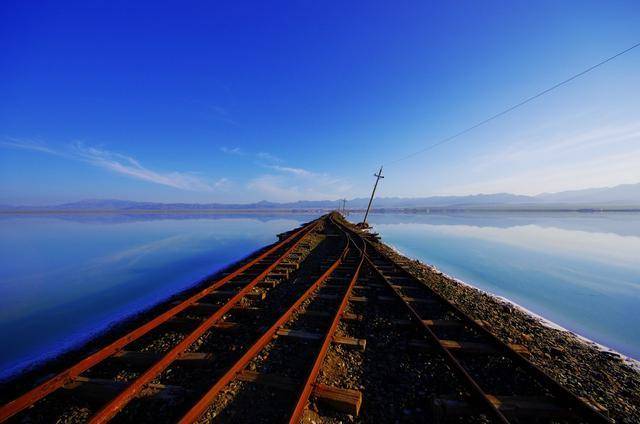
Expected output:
(268, 157)
(231, 151)
(292, 187)
(29, 145)
(223, 115)
(263, 157)
(222, 183)
(555, 160)
(600, 171)
(289, 183)
(543, 149)
(295, 171)
(284, 183)
(122, 164)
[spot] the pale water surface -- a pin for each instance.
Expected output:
(65, 278)
(579, 270)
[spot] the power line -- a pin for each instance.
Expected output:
(523, 102)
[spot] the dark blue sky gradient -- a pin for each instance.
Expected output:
(109, 99)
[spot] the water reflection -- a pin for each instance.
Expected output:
(64, 278)
(581, 271)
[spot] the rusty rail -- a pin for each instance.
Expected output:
(562, 394)
(478, 394)
(120, 401)
(201, 406)
(32, 396)
(313, 374)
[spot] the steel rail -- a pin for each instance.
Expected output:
(477, 393)
(561, 392)
(201, 406)
(42, 390)
(124, 397)
(313, 374)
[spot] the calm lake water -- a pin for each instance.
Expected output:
(65, 278)
(579, 270)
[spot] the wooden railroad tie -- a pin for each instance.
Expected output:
(469, 347)
(359, 299)
(254, 295)
(343, 400)
(359, 344)
(280, 273)
(518, 406)
(404, 287)
(147, 358)
(423, 300)
(364, 299)
(268, 283)
(347, 316)
(206, 308)
(342, 286)
(101, 390)
(180, 323)
(437, 322)
(246, 309)
(290, 266)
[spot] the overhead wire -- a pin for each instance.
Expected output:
(511, 108)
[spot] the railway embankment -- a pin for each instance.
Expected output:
(587, 369)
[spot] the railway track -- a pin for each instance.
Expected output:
(500, 381)
(255, 346)
(212, 299)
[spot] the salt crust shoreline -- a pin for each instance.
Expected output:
(633, 363)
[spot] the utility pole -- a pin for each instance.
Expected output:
(373, 193)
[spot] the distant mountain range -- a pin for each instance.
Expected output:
(622, 197)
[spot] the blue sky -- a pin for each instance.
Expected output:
(243, 101)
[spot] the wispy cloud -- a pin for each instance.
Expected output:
(28, 145)
(600, 171)
(556, 159)
(121, 164)
(564, 147)
(232, 150)
(262, 158)
(290, 183)
(300, 172)
(293, 187)
(268, 157)
(221, 114)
